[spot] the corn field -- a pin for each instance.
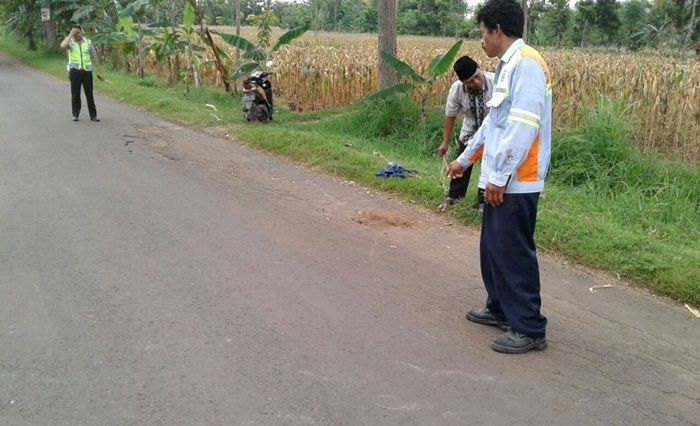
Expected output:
(325, 70)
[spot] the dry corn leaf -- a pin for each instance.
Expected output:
(693, 311)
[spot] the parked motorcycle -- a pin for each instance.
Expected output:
(257, 97)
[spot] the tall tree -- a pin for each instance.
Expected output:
(691, 23)
(607, 19)
(525, 10)
(634, 18)
(204, 30)
(49, 26)
(238, 30)
(367, 20)
(23, 18)
(559, 15)
(584, 21)
(387, 42)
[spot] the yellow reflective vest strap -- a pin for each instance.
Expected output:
(79, 55)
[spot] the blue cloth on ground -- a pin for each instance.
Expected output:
(395, 171)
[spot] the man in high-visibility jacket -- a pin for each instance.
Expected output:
(81, 59)
(516, 138)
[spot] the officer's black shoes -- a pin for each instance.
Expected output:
(486, 317)
(75, 118)
(515, 343)
(94, 119)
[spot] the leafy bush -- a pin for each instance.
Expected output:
(150, 81)
(599, 155)
(598, 150)
(399, 121)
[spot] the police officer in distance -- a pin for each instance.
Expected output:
(81, 59)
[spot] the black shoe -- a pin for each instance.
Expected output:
(75, 118)
(516, 343)
(94, 119)
(486, 317)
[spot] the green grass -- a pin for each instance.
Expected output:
(605, 205)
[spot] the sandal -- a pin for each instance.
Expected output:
(445, 204)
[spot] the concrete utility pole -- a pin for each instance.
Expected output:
(387, 41)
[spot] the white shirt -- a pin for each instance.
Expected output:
(458, 101)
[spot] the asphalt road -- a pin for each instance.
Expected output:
(155, 274)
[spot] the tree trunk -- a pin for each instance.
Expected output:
(49, 26)
(525, 20)
(316, 26)
(335, 16)
(195, 75)
(217, 58)
(30, 37)
(387, 41)
(172, 12)
(691, 23)
(139, 65)
(238, 31)
(176, 73)
(237, 57)
(139, 50)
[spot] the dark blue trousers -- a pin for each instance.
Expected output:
(509, 263)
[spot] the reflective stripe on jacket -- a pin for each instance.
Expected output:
(516, 134)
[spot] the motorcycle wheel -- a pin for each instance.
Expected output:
(262, 113)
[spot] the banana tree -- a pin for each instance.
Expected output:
(173, 43)
(206, 35)
(191, 50)
(136, 34)
(25, 22)
(438, 66)
(166, 47)
(256, 56)
(128, 36)
(97, 15)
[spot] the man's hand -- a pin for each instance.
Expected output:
(455, 170)
(72, 32)
(493, 196)
(444, 147)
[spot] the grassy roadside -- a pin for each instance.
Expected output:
(605, 205)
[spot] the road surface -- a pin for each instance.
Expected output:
(155, 274)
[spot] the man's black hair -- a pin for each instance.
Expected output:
(465, 67)
(78, 26)
(506, 13)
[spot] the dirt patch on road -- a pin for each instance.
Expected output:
(385, 219)
(160, 139)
